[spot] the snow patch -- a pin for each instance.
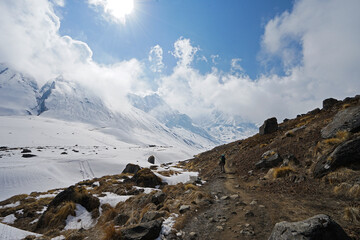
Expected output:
(11, 233)
(9, 219)
(82, 219)
(178, 178)
(112, 199)
(167, 226)
(11, 205)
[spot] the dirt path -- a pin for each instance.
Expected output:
(234, 214)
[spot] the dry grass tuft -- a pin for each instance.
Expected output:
(352, 214)
(111, 233)
(282, 171)
(328, 144)
(263, 145)
(345, 106)
(191, 186)
(168, 173)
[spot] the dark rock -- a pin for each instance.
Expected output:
(318, 227)
(151, 159)
(153, 215)
(345, 155)
(27, 155)
(73, 194)
(345, 120)
(131, 168)
(64, 153)
(315, 111)
(146, 178)
(249, 214)
(329, 103)
(269, 159)
(143, 231)
(158, 198)
(77, 195)
(121, 219)
(286, 120)
(270, 125)
(25, 150)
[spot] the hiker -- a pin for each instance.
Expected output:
(222, 163)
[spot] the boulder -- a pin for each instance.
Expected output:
(77, 195)
(315, 111)
(131, 168)
(329, 103)
(158, 198)
(121, 219)
(345, 155)
(318, 227)
(142, 231)
(146, 178)
(25, 150)
(152, 215)
(269, 159)
(151, 159)
(270, 125)
(28, 155)
(345, 120)
(63, 205)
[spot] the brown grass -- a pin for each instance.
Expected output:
(168, 173)
(352, 214)
(191, 186)
(282, 171)
(111, 233)
(263, 145)
(346, 105)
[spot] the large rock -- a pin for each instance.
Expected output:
(64, 204)
(146, 178)
(151, 159)
(319, 227)
(143, 231)
(270, 125)
(158, 198)
(131, 168)
(152, 215)
(269, 159)
(329, 103)
(346, 154)
(347, 119)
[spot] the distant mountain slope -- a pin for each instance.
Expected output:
(67, 100)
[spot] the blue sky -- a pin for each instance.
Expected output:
(275, 57)
(230, 29)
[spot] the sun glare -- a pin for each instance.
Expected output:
(120, 8)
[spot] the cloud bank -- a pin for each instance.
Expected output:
(316, 43)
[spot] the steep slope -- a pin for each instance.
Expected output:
(18, 92)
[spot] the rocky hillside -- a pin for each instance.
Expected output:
(299, 179)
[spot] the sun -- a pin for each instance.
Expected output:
(120, 8)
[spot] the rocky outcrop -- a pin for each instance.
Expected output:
(270, 125)
(158, 198)
(318, 227)
(131, 168)
(346, 154)
(63, 205)
(121, 219)
(345, 120)
(329, 103)
(143, 231)
(269, 159)
(146, 178)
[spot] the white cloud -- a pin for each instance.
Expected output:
(156, 59)
(60, 3)
(184, 51)
(32, 44)
(235, 65)
(213, 58)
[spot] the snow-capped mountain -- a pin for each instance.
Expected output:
(155, 106)
(18, 92)
(219, 128)
(71, 101)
